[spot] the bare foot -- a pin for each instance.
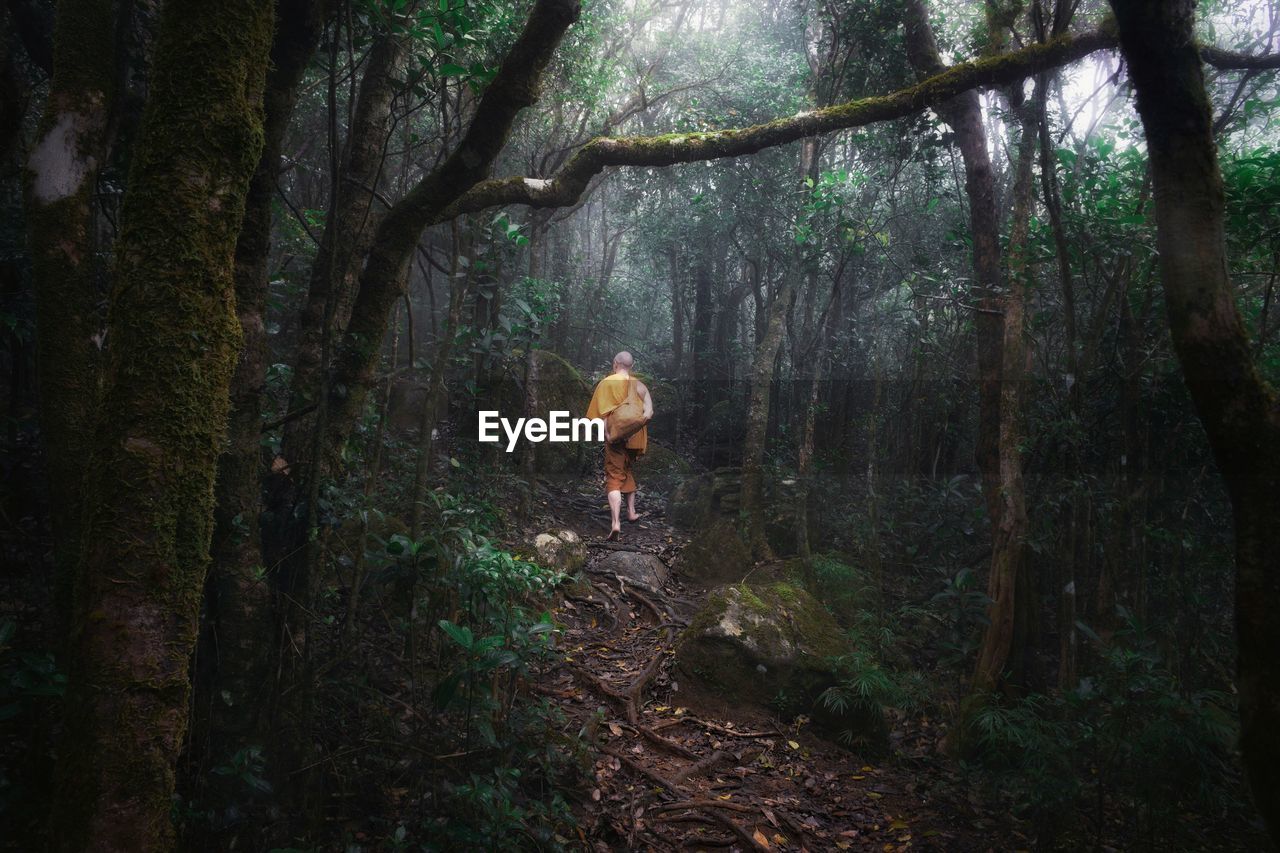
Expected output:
(614, 535)
(637, 516)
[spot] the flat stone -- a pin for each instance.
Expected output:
(642, 568)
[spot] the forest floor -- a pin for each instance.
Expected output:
(677, 770)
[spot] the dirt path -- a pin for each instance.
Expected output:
(675, 775)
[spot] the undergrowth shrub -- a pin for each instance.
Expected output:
(1129, 741)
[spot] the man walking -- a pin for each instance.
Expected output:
(620, 455)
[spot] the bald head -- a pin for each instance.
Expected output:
(623, 361)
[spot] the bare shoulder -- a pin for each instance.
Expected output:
(642, 389)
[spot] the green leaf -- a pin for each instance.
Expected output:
(459, 634)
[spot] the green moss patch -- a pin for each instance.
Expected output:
(773, 646)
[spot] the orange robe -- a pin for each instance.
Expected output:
(610, 393)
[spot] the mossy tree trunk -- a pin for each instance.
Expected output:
(174, 336)
(237, 661)
(1240, 412)
(62, 174)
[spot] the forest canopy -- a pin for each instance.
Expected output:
(945, 511)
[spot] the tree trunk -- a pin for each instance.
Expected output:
(349, 228)
(149, 496)
(753, 446)
(677, 322)
(1077, 516)
(514, 88)
(459, 286)
(62, 176)
(1240, 412)
(1005, 642)
(964, 114)
(237, 661)
(701, 344)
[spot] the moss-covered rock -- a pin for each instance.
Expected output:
(772, 646)
(716, 554)
(561, 550)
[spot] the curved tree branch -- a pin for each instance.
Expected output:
(1225, 60)
(565, 186)
(514, 88)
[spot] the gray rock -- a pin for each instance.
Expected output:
(644, 569)
(562, 550)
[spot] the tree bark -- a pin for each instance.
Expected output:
(1240, 412)
(62, 175)
(237, 660)
(753, 446)
(1006, 640)
(349, 228)
(149, 498)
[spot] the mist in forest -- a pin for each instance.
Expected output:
(639, 425)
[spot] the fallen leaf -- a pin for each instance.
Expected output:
(761, 839)
(615, 729)
(793, 744)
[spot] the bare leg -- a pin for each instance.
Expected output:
(631, 507)
(615, 509)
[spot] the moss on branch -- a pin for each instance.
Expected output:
(564, 188)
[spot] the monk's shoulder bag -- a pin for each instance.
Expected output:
(627, 419)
